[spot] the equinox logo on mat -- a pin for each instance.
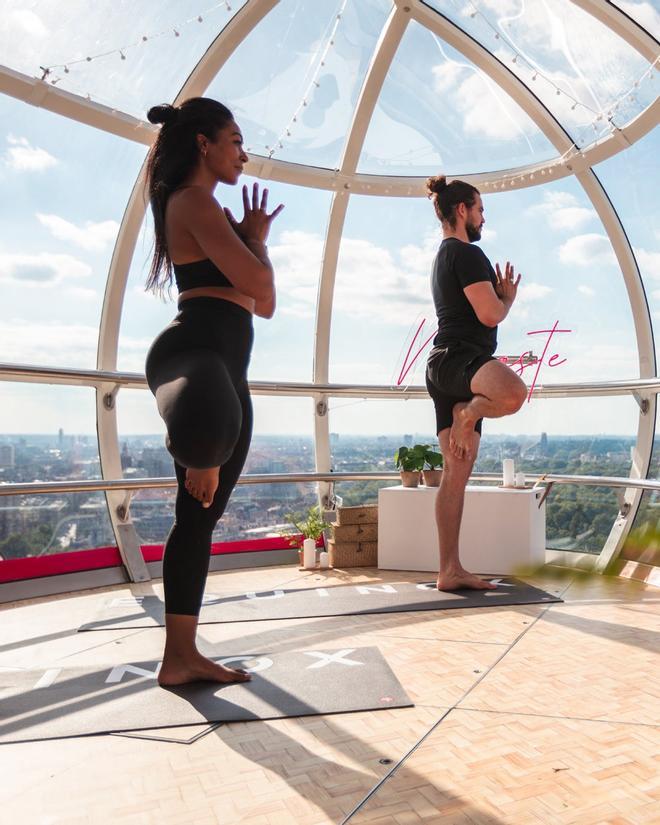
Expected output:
(251, 663)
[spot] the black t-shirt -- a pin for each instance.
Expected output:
(457, 265)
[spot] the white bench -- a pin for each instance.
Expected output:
(502, 531)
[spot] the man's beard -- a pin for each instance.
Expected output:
(473, 232)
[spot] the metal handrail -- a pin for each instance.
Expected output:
(97, 485)
(135, 380)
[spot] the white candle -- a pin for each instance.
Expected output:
(309, 554)
(508, 473)
(520, 479)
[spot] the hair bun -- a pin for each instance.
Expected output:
(165, 114)
(435, 185)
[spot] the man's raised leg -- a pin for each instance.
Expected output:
(448, 514)
(498, 391)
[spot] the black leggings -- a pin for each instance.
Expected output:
(197, 369)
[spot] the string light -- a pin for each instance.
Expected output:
(313, 84)
(649, 73)
(48, 71)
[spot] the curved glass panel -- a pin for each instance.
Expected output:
(38, 525)
(383, 316)
(298, 104)
(550, 47)
(626, 178)
(59, 219)
(141, 53)
(457, 119)
(59, 422)
(643, 541)
(283, 344)
(579, 436)
(644, 12)
(282, 442)
(47, 433)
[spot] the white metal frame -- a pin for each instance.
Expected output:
(383, 55)
(346, 181)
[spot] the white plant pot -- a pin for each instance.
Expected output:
(309, 554)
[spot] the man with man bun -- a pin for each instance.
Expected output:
(463, 378)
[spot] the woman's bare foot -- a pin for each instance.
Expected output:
(461, 434)
(461, 579)
(202, 484)
(179, 671)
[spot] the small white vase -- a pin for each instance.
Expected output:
(309, 554)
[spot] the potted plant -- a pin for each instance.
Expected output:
(310, 526)
(432, 472)
(410, 461)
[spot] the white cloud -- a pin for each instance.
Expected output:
(67, 345)
(562, 211)
(528, 293)
(649, 263)
(370, 281)
(28, 22)
(586, 290)
(92, 236)
(42, 270)
(23, 157)
(644, 14)
(587, 250)
(83, 294)
(488, 235)
(486, 109)
(533, 292)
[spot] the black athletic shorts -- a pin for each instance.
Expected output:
(449, 372)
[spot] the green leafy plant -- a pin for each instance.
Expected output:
(432, 458)
(310, 525)
(410, 459)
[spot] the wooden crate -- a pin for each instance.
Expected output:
(353, 553)
(364, 514)
(355, 532)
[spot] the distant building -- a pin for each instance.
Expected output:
(126, 458)
(7, 456)
(407, 440)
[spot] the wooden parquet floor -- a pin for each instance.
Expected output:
(523, 715)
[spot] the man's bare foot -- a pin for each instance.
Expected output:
(460, 580)
(176, 671)
(202, 484)
(461, 433)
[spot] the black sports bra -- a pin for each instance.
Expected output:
(199, 273)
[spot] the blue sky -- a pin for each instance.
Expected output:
(66, 187)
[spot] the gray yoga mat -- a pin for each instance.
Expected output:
(55, 703)
(340, 600)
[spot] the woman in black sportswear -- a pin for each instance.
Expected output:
(197, 366)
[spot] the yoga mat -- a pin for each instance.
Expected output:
(63, 702)
(340, 600)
